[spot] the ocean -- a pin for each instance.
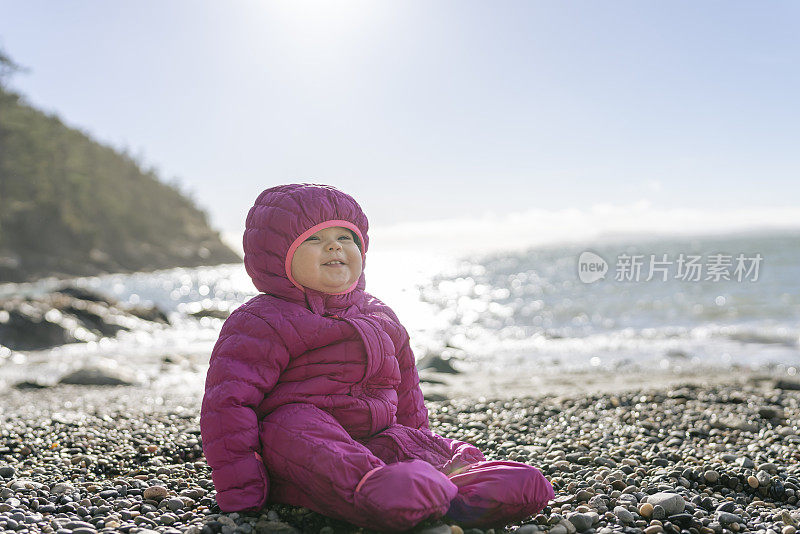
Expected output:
(723, 301)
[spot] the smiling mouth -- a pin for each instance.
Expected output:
(333, 263)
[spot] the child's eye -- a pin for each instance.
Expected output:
(312, 237)
(345, 237)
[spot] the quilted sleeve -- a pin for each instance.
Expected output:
(244, 366)
(411, 410)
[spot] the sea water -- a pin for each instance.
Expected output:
(520, 310)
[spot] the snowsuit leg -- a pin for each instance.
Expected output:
(489, 492)
(312, 461)
(497, 493)
(397, 443)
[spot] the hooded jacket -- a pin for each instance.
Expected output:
(346, 354)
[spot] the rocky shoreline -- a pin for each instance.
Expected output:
(691, 459)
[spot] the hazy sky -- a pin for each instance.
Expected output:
(431, 110)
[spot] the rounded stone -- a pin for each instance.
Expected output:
(727, 506)
(155, 492)
(727, 518)
(659, 512)
(624, 515)
(6, 471)
(175, 504)
(168, 519)
(581, 521)
(672, 503)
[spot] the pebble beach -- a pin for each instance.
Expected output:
(715, 457)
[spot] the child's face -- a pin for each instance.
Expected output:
(312, 267)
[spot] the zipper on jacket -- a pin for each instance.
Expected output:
(378, 408)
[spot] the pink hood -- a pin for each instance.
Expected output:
(282, 217)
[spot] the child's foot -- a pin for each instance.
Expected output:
(401, 495)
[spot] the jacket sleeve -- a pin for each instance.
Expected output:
(411, 410)
(244, 367)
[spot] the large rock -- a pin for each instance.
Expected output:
(211, 312)
(99, 375)
(435, 362)
(25, 327)
(81, 293)
(68, 315)
(786, 383)
(153, 314)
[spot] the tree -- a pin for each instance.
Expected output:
(8, 67)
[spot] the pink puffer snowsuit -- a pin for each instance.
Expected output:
(313, 399)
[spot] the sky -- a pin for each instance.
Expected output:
(461, 113)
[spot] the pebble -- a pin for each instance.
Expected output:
(7, 471)
(569, 526)
(769, 467)
(726, 518)
(745, 462)
(671, 503)
(155, 492)
(683, 520)
(646, 510)
(624, 515)
(558, 529)
(727, 506)
(436, 529)
(175, 504)
(581, 521)
(659, 512)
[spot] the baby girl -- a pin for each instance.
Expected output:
(312, 397)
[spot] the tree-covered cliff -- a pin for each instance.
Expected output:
(70, 206)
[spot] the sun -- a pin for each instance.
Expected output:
(321, 19)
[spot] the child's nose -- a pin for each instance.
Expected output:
(334, 245)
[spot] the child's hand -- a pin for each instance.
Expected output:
(464, 456)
